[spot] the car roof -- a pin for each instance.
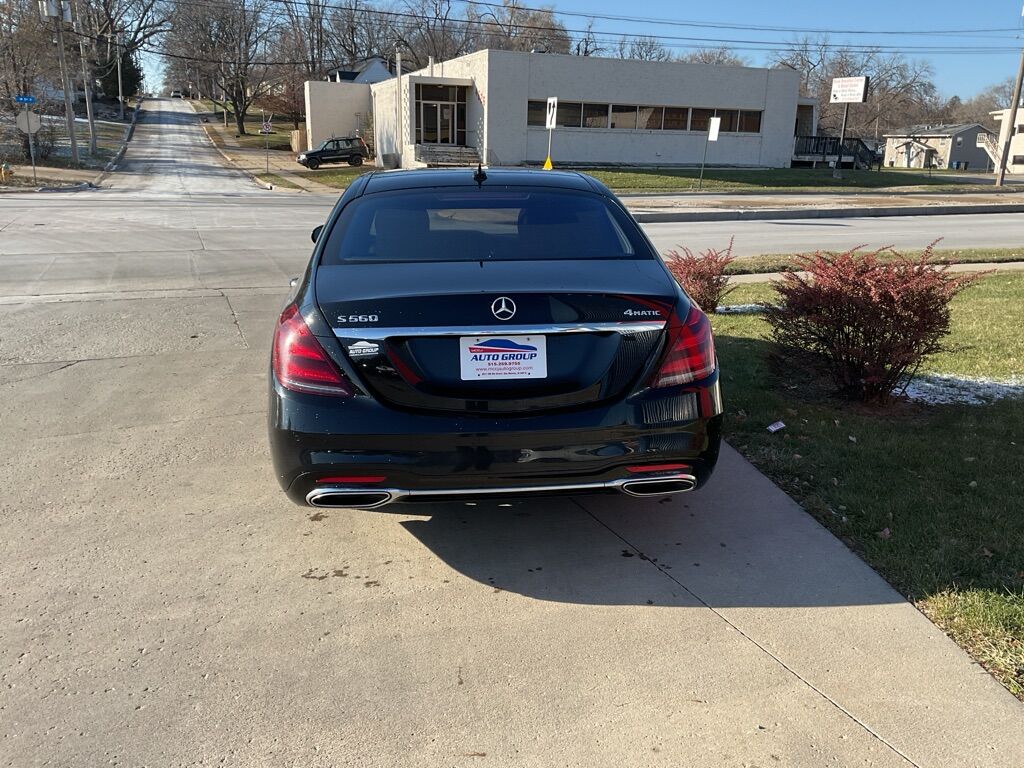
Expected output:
(387, 181)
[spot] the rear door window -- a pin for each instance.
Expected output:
(465, 224)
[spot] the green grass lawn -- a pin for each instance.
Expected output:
(767, 180)
(279, 140)
(339, 176)
(928, 495)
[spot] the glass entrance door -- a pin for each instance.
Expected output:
(438, 121)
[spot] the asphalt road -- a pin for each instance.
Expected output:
(162, 604)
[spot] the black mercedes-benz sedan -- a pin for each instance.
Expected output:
(462, 334)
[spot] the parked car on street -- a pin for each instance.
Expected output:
(176, 94)
(347, 149)
(510, 333)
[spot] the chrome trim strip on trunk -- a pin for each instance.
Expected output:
(518, 330)
(397, 494)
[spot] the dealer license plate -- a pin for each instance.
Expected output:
(503, 357)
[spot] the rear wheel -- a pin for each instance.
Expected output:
(313, 163)
(355, 160)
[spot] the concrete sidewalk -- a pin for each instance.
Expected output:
(745, 206)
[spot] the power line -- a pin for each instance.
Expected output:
(669, 41)
(742, 27)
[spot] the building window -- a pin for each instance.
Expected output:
(750, 121)
(623, 116)
(1018, 160)
(595, 115)
(537, 113)
(730, 119)
(570, 114)
(650, 118)
(700, 119)
(677, 118)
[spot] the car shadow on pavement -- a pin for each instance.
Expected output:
(738, 542)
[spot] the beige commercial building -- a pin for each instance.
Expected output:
(491, 105)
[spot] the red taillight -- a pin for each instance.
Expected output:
(690, 352)
(299, 361)
(641, 468)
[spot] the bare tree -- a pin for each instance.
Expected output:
(723, 55)
(435, 29)
(229, 42)
(901, 90)
(586, 44)
(643, 48)
(511, 27)
(357, 31)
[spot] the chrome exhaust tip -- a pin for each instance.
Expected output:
(349, 499)
(660, 486)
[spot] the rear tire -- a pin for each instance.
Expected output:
(355, 160)
(312, 164)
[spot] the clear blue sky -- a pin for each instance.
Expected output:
(960, 74)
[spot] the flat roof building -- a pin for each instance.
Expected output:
(490, 106)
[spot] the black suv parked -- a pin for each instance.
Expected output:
(347, 149)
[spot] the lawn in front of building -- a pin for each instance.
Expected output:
(928, 495)
(766, 180)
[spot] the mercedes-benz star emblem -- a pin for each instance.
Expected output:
(503, 308)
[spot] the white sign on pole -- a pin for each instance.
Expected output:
(849, 90)
(552, 116)
(713, 126)
(27, 122)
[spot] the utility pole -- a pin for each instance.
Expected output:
(120, 83)
(85, 82)
(61, 12)
(1010, 124)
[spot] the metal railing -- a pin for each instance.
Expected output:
(828, 146)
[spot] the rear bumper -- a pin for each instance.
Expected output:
(321, 441)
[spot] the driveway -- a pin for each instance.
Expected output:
(162, 604)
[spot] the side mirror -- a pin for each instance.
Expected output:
(315, 234)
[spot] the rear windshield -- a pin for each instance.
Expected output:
(469, 224)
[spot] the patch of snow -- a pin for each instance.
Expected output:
(942, 389)
(740, 309)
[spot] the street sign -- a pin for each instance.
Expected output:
(849, 90)
(713, 126)
(25, 99)
(28, 122)
(267, 128)
(552, 116)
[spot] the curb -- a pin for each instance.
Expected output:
(112, 165)
(824, 213)
(251, 176)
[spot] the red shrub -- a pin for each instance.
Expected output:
(702, 277)
(869, 324)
